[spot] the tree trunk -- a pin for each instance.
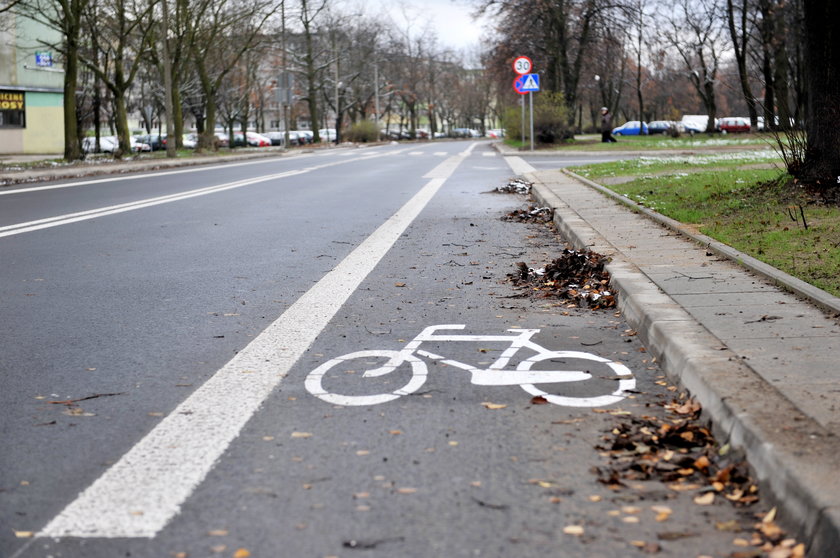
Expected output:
(72, 149)
(72, 29)
(121, 123)
(822, 50)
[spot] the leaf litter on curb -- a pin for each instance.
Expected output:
(577, 276)
(680, 451)
(532, 214)
(515, 186)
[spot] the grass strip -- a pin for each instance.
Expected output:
(756, 211)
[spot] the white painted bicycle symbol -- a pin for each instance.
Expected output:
(524, 376)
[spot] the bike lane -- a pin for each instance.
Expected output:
(454, 468)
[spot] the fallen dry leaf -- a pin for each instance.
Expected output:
(242, 553)
(301, 434)
(706, 499)
(24, 534)
(575, 530)
(218, 533)
(493, 406)
(406, 490)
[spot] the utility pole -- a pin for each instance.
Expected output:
(171, 140)
(285, 81)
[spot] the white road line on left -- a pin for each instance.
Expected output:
(58, 220)
(145, 489)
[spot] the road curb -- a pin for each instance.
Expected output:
(795, 464)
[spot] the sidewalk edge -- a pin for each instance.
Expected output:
(791, 464)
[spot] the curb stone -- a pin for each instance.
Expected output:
(794, 463)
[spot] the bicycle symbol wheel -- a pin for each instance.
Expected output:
(626, 380)
(314, 382)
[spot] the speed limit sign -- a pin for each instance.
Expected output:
(522, 65)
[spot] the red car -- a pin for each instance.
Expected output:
(734, 124)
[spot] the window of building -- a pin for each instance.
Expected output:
(12, 109)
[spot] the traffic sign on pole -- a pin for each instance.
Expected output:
(522, 65)
(527, 83)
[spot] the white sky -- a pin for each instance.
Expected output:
(450, 19)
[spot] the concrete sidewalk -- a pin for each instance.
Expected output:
(762, 361)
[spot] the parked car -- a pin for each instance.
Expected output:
(222, 138)
(495, 133)
(190, 141)
(327, 134)
(305, 136)
(155, 141)
(251, 139)
(631, 128)
(277, 138)
(734, 124)
(659, 127)
(109, 144)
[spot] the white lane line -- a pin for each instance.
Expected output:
(58, 220)
(145, 489)
(197, 168)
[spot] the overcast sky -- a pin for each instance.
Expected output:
(450, 19)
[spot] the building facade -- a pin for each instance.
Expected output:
(31, 88)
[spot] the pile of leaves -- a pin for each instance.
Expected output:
(576, 276)
(516, 186)
(533, 214)
(682, 453)
(678, 451)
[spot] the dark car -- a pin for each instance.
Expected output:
(155, 141)
(659, 127)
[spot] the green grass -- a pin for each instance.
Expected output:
(756, 211)
(592, 142)
(648, 166)
(662, 142)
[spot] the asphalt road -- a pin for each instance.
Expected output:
(172, 380)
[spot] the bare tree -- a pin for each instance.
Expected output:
(67, 17)
(740, 32)
(219, 33)
(119, 30)
(696, 34)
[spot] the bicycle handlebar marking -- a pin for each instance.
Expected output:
(494, 375)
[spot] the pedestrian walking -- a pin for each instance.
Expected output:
(606, 126)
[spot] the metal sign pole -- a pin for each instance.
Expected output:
(522, 103)
(531, 101)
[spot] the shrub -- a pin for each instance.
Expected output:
(551, 120)
(362, 132)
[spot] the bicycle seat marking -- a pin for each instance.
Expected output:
(412, 377)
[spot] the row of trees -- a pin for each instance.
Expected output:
(774, 60)
(239, 61)
(233, 62)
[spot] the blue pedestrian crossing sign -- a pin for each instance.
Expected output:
(527, 83)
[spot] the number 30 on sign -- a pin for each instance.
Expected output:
(522, 65)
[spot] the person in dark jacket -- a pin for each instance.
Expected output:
(606, 126)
